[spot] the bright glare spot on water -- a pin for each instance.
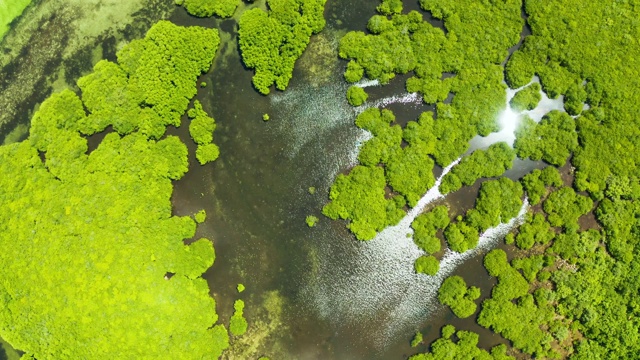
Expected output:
(366, 83)
(509, 119)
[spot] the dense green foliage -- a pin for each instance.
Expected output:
(200, 216)
(455, 294)
(425, 227)
(491, 162)
(536, 183)
(311, 220)
(535, 230)
(201, 129)
(360, 198)
(142, 92)
(530, 266)
(475, 44)
(576, 295)
(271, 42)
(238, 324)
(9, 11)
(428, 265)
(466, 347)
(527, 98)
(206, 8)
(499, 201)
(356, 95)
(512, 311)
(408, 171)
(583, 51)
(564, 207)
(99, 224)
(551, 140)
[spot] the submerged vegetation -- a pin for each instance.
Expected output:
(206, 8)
(9, 11)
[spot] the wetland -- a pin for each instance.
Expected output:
(317, 292)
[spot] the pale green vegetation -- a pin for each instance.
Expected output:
(9, 11)
(428, 265)
(265, 117)
(455, 294)
(240, 288)
(311, 220)
(264, 334)
(527, 98)
(201, 129)
(491, 162)
(417, 339)
(99, 224)
(206, 8)
(200, 216)
(238, 324)
(356, 96)
(271, 41)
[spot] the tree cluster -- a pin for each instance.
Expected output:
(537, 181)
(99, 224)
(551, 140)
(356, 95)
(201, 129)
(478, 37)
(271, 41)
(238, 324)
(425, 227)
(527, 98)
(499, 201)
(492, 162)
(427, 264)
(361, 195)
(455, 294)
(461, 345)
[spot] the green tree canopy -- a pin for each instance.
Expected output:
(271, 42)
(100, 225)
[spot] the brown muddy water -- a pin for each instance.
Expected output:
(341, 299)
